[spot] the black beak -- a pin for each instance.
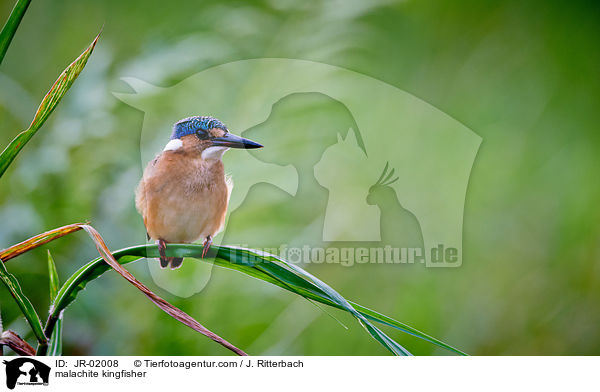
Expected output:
(234, 141)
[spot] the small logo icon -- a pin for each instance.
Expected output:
(26, 371)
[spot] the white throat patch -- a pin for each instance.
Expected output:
(214, 152)
(174, 144)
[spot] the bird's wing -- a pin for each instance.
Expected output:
(140, 193)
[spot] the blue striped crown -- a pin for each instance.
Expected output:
(191, 125)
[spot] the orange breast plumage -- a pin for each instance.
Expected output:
(182, 197)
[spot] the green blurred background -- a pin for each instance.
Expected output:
(525, 77)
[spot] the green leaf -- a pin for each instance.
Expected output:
(258, 265)
(10, 28)
(49, 103)
(53, 277)
(55, 343)
(27, 308)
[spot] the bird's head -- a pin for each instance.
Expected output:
(208, 135)
(381, 190)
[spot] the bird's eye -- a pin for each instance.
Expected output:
(202, 135)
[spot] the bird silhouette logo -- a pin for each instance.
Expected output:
(26, 371)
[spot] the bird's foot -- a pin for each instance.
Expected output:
(175, 262)
(162, 251)
(206, 246)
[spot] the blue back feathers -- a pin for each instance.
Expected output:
(191, 125)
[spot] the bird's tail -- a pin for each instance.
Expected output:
(173, 262)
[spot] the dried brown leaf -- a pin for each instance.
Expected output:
(14, 341)
(37, 241)
(171, 310)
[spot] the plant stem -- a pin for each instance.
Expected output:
(42, 349)
(9, 29)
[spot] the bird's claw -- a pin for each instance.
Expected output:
(162, 247)
(206, 246)
(162, 251)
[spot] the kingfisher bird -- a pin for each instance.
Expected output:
(183, 194)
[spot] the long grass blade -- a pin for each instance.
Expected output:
(293, 276)
(383, 319)
(24, 304)
(314, 294)
(247, 262)
(49, 103)
(10, 28)
(55, 342)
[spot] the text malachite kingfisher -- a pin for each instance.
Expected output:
(183, 194)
